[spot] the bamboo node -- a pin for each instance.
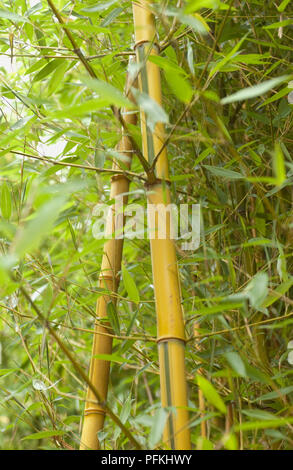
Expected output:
(119, 177)
(91, 411)
(146, 41)
(171, 338)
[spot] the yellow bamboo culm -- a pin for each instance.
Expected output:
(170, 331)
(94, 414)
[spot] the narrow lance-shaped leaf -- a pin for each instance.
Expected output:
(256, 90)
(211, 394)
(6, 205)
(279, 165)
(130, 285)
(44, 434)
(113, 317)
(227, 57)
(39, 227)
(9, 15)
(157, 427)
(107, 92)
(154, 112)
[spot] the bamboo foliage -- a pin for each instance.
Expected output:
(227, 96)
(170, 325)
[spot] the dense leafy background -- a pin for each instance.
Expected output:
(227, 65)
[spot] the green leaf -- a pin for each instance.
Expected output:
(220, 308)
(279, 24)
(230, 441)
(203, 444)
(9, 15)
(279, 165)
(108, 93)
(195, 21)
(180, 86)
(276, 394)
(275, 97)
(257, 289)
(7, 371)
(78, 110)
(277, 293)
(283, 5)
(236, 363)
(211, 394)
(45, 71)
(113, 317)
(259, 414)
(39, 227)
(224, 172)
(195, 5)
(154, 112)
(227, 57)
(157, 429)
(166, 64)
(253, 425)
(58, 75)
(111, 358)
(130, 285)
(256, 90)
(6, 203)
(44, 434)
(100, 6)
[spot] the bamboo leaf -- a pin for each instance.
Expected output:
(211, 394)
(259, 414)
(224, 172)
(154, 112)
(283, 5)
(257, 90)
(253, 425)
(130, 285)
(227, 57)
(6, 203)
(279, 165)
(108, 93)
(113, 317)
(159, 422)
(78, 110)
(9, 15)
(276, 394)
(277, 293)
(37, 228)
(45, 71)
(44, 434)
(279, 24)
(111, 358)
(180, 86)
(257, 289)
(236, 363)
(100, 6)
(195, 5)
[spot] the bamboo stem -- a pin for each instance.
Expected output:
(94, 414)
(201, 400)
(171, 334)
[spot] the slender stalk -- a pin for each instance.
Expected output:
(94, 414)
(171, 334)
(201, 400)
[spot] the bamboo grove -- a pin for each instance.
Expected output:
(138, 343)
